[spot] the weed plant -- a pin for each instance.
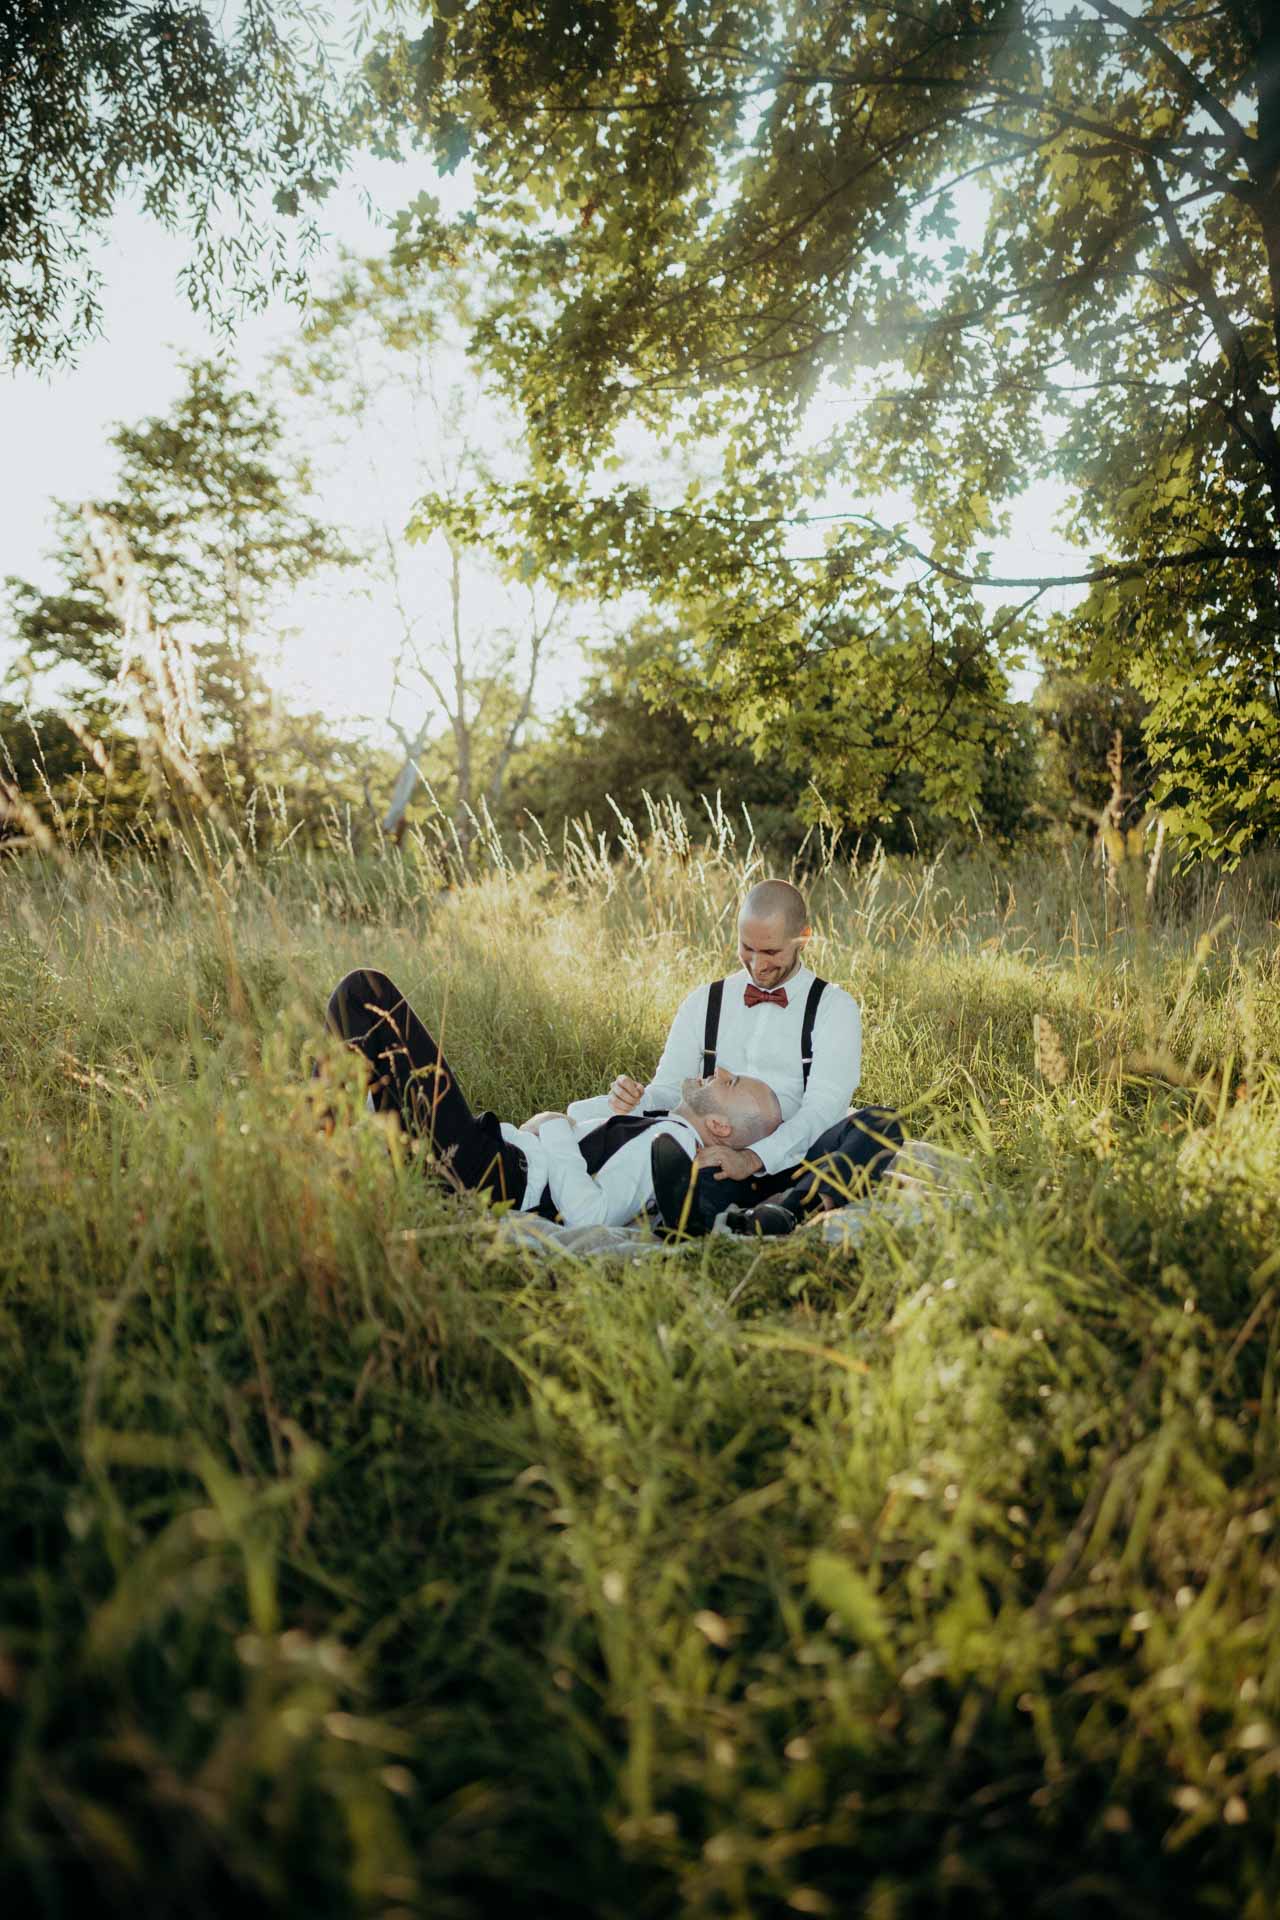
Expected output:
(356, 1563)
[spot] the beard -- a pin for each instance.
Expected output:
(697, 1098)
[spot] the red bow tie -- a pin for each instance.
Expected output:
(757, 997)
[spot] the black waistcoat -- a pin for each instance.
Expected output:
(604, 1141)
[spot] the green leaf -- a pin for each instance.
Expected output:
(838, 1587)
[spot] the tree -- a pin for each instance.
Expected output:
(1081, 722)
(483, 707)
(629, 735)
(105, 97)
(55, 765)
(213, 511)
(712, 216)
(383, 353)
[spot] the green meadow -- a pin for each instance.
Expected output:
(358, 1563)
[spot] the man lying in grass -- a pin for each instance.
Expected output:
(585, 1169)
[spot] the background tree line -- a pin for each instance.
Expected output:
(754, 228)
(726, 270)
(217, 513)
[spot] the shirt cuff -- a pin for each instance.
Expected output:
(773, 1162)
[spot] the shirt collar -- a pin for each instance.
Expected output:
(800, 978)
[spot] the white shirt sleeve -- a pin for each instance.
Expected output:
(682, 1055)
(624, 1183)
(836, 1070)
(535, 1159)
(594, 1107)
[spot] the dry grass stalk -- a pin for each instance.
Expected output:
(157, 670)
(34, 831)
(1051, 1059)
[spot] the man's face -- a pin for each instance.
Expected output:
(704, 1092)
(768, 952)
(734, 1097)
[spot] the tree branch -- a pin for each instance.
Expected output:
(1116, 570)
(1234, 134)
(1228, 334)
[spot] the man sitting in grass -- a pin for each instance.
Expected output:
(586, 1168)
(801, 1035)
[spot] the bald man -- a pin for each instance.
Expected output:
(777, 1021)
(581, 1167)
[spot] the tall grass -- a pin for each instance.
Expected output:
(355, 1562)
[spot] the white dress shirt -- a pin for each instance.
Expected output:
(764, 1041)
(608, 1198)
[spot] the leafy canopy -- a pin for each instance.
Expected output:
(990, 239)
(197, 119)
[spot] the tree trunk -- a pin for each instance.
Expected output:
(464, 819)
(395, 818)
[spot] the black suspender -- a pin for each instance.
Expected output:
(604, 1141)
(715, 995)
(816, 991)
(715, 998)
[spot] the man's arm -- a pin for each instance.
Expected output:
(836, 1070)
(576, 1196)
(614, 1195)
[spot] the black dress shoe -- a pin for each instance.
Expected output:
(766, 1219)
(674, 1175)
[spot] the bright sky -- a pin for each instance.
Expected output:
(53, 432)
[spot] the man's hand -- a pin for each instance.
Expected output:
(625, 1094)
(535, 1125)
(731, 1163)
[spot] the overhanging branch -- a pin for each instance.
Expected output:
(1232, 131)
(1116, 570)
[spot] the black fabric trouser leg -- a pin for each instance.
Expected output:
(412, 1079)
(711, 1196)
(844, 1161)
(851, 1152)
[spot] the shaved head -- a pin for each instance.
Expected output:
(750, 1107)
(756, 1112)
(773, 926)
(777, 900)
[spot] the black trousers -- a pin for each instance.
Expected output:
(410, 1077)
(838, 1165)
(843, 1161)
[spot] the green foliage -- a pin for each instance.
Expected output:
(1080, 719)
(352, 1559)
(751, 229)
(104, 97)
(629, 735)
(75, 782)
(216, 507)
(1216, 743)
(216, 513)
(797, 655)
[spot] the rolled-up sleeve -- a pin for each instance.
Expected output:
(836, 1070)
